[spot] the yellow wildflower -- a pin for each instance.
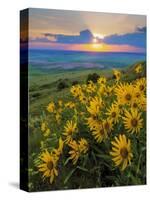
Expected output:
(77, 149)
(70, 129)
(132, 121)
(139, 69)
(121, 151)
(101, 80)
(117, 74)
(48, 167)
(51, 107)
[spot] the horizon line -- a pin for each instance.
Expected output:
(87, 51)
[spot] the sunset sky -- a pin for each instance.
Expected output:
(86, 31)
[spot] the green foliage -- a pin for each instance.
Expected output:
(75, 82)
(92, 77)
(62, 84)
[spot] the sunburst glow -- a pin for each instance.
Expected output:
(95, 40)
(97, 46)
(98, 35)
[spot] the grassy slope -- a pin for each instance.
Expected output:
(43, 85)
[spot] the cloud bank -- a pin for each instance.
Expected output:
(135, 39)
(84, 37)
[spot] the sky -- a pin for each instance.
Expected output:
(86, 31)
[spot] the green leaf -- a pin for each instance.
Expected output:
(85, 160)
(69, 175)
(96, 149)
(34, 173)
(103, 156)
(143, 149)
(93, 155)
(82, 168)
(95, 169)
(67, 160)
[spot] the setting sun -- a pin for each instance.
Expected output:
(98, 35)
(97, 46)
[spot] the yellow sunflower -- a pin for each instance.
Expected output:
(138, 69)
(83, 145)
(108, 126)
(92, 122)
(119, 106)
(48, 167)
(135, 104)
(139, 102)
(95, 105)
(69, 130)
(138, 93)
(43, 126)
(60, 103)
(57, 152)
(142, 103)
(141, 84)
(117, 74)
(76, 90)
(101, 80)
(61, 145)
(70, 105)
(45, 130)
(51, 107)
(83, 99)
(99, 133)
(125, 93)
(97, 101)
(121, 151)
(102, 90)
(90, 87)
(58, 117)
(114, 113)
(133, 121)
(77, 149)
(74, 152)
(93, 109)
(109, 90)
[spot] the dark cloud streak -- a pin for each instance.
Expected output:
(141, 29)
(84, 37)
(136, 39)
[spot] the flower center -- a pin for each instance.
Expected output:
(113, 114)
(120, 106)
(107, 127)
(94, 117)
(134, 122)
(70, 132)
(50, 165)
(102, 131)
(128, 97)
(137, 94)
(135, 105)
(124, 152)
(141, 87)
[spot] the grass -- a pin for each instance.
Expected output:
(43, 86)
